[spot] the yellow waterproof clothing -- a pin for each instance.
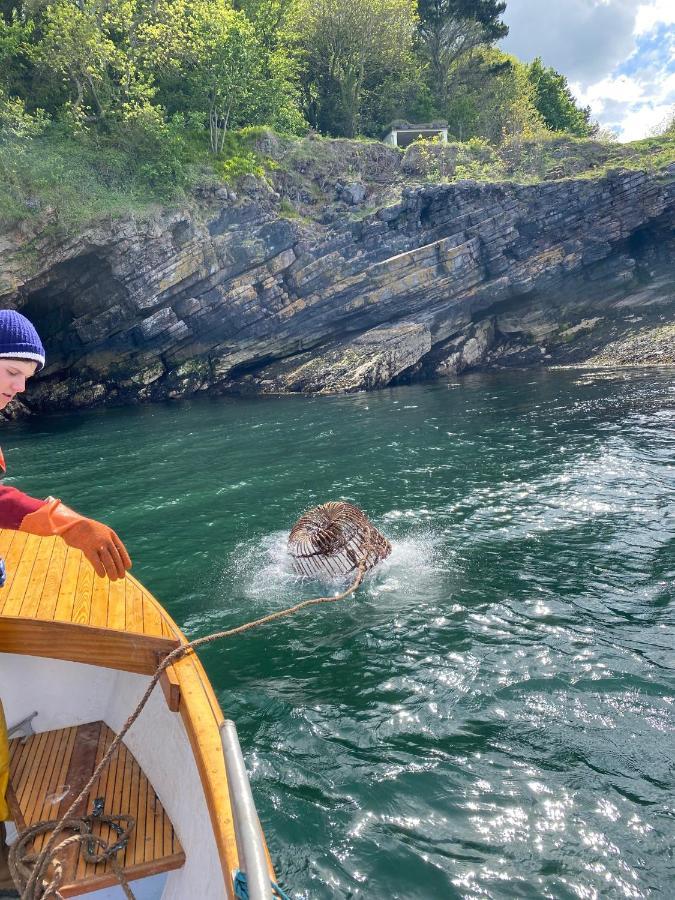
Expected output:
(4, 767)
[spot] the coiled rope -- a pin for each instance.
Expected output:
(35, 885)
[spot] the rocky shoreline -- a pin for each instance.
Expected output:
(647, 348)
(389, 285)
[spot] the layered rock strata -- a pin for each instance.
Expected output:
(231, 295)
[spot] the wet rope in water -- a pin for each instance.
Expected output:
(36, 886)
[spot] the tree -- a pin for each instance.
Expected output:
(88, 45)
(555, 101)
(449, 30)
(401, 95)
(75, 47)
(208, 61)
(268, 18)
(13, 34)
(344, 44)
(498, 104)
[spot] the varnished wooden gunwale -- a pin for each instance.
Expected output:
(49, 587)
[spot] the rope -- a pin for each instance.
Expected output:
(34, 887)
(21, 862)
(241, 887)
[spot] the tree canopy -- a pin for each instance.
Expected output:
(346, 45)
(156, 79)
(555, 102)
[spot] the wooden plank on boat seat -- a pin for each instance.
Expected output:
(84, 643)
(48, 770)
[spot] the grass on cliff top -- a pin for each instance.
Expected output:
(75, 181)
(72, 182)
(532, 161)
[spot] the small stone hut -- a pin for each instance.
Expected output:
(403, 134)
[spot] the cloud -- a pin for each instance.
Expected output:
(583, 39)
(651, 14)
(618, 55)
(639, 94)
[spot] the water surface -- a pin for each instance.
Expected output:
(492, 716)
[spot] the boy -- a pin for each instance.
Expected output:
(21, 356)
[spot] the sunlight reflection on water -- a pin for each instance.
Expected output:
(492, 714)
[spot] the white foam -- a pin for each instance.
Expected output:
(262, 569)
(413, 566)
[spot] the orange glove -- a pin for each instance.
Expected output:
(104, 550)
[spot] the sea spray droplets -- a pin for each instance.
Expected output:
(261, 570)
(415, 563)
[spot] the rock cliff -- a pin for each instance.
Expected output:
(238, 292)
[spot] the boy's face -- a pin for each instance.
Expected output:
(13, 376)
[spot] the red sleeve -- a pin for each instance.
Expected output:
(14, 505)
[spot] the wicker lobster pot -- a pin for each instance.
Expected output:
(332, 540)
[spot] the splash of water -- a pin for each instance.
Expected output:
(262, 569)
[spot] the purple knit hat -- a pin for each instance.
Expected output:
(19, 339)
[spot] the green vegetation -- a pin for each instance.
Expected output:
(112, 105)
(555, 103)
(528, 161)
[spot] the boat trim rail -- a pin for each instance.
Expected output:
(250, 845)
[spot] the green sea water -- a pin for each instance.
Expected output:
(492, 716)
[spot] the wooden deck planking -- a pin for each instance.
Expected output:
(52, 582)
(98, 614)
(12, 558)
(97, 789)
(139, 843)
(85, 585)
(65, 602)
(27, 788)
(61, 751)
(134, 803)
(48, 581)
(103, 787)
(75, 751)
(6, 538)
(125, 799)
(65, 751)
(34, 588)
(7, 535)
(152, 620)
(134, 607)
(19, 568)
(117, 606)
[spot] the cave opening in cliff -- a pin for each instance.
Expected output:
(640, 243)
(65, 300)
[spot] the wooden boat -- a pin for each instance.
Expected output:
(76, 654)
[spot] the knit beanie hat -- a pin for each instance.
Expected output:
(19, 339)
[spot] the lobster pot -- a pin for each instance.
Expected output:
(332, 540)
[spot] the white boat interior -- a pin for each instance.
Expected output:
(77, 653)
(154, 778)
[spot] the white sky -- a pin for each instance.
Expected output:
(618, 55)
